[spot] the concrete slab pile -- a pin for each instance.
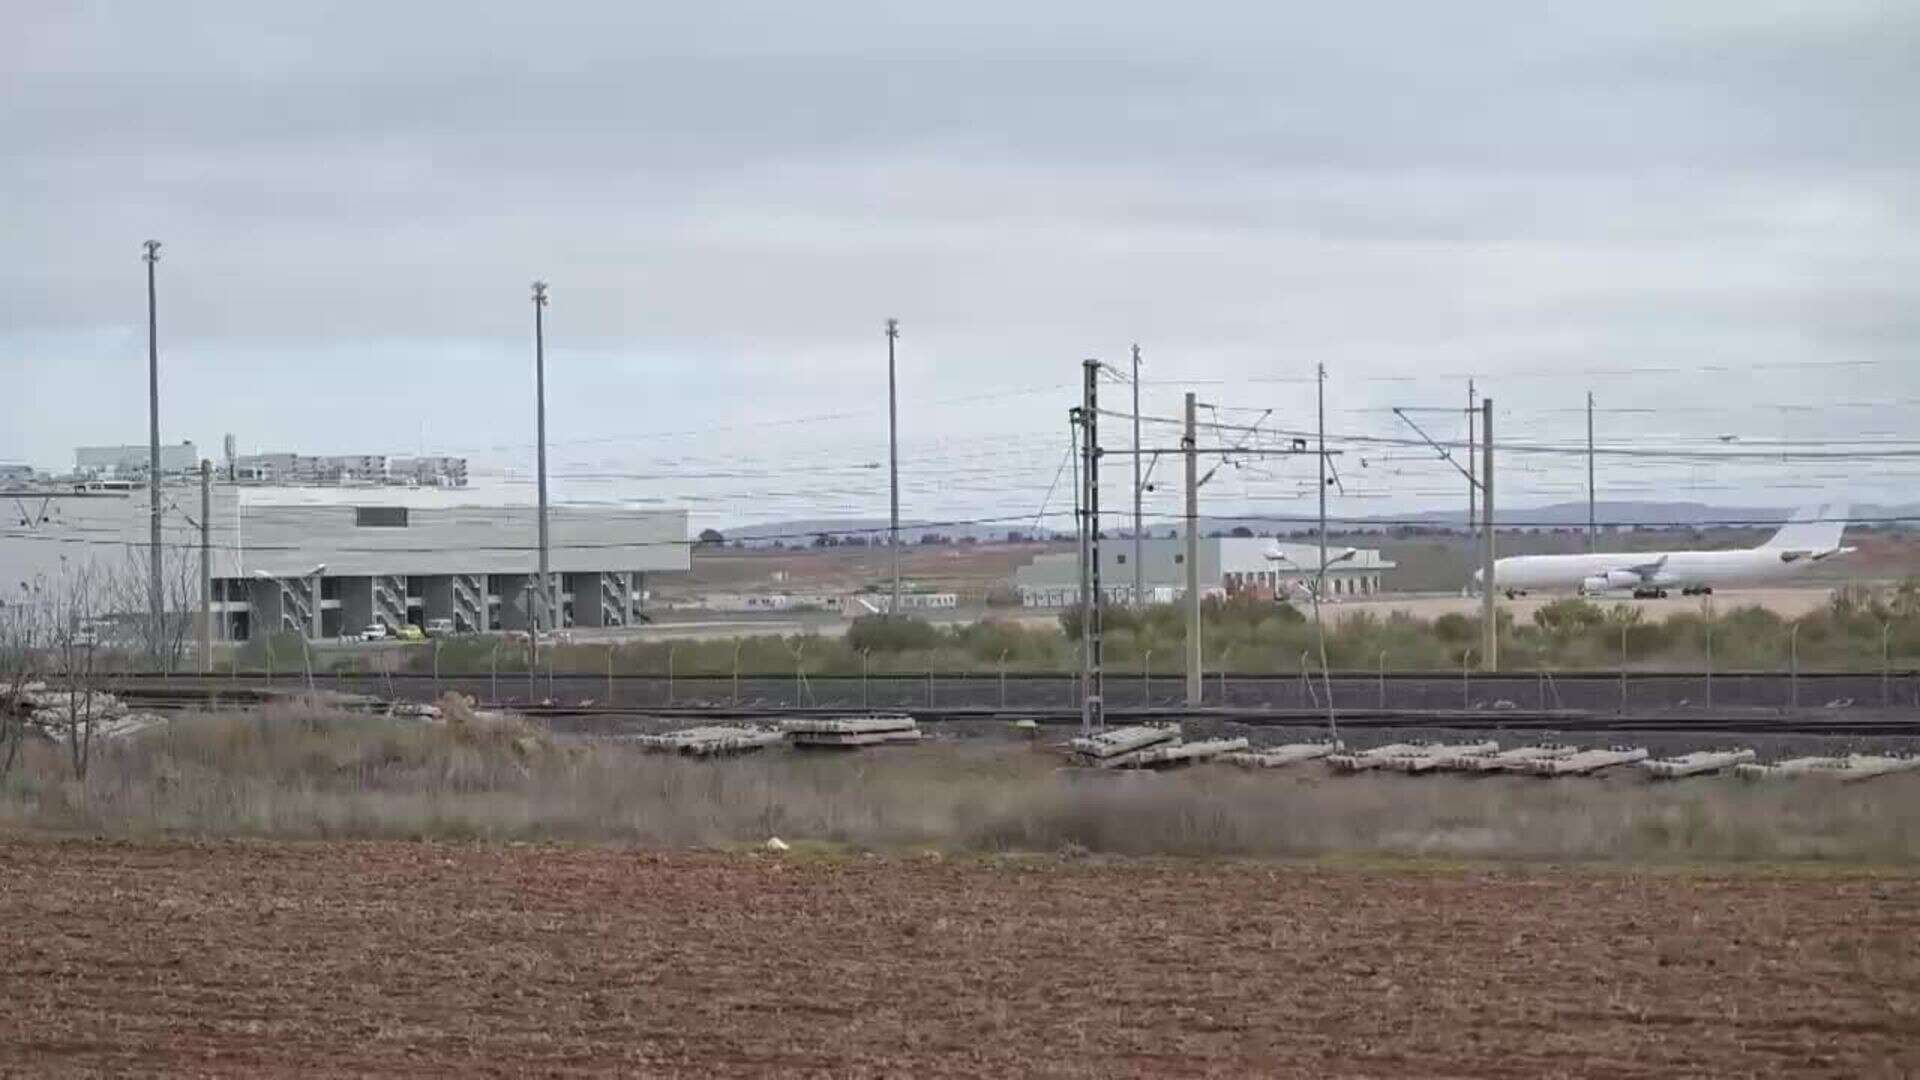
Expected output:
(1365, 760)
(711, 740)
(1433, 757)
(50, 711)
(1587, 762)
(1145, 746)
(1115, 747)
(1849, 769)
(1279, 757)
(866, 730)
(1185, 753)
(1517, 759)
(1698, 763)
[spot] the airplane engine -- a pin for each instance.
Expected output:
(1611, 581)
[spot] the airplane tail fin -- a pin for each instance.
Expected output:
(1812, 529)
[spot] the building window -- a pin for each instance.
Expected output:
(1123, 560)
(1178, 559)
(380, 517)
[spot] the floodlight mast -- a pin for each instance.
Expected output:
(546, 613)
(155, 598)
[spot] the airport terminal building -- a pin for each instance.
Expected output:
(327, 560)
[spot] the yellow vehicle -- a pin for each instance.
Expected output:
(410, 632)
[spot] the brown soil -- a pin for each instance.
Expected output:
(261, 959)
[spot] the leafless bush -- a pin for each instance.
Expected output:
(308, 772)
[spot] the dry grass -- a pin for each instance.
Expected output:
(302, 772)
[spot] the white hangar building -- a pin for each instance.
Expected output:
(327, 560)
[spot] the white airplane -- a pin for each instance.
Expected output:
(1813, 535)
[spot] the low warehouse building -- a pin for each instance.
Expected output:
(1229, 566)
(326, 561)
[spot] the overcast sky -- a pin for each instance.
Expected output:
(1706, 210)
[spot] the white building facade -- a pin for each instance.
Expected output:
(1229, 566)
(323, 561)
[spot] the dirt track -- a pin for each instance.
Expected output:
(257, 959)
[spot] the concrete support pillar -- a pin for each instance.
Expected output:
(356, 603)
(514, 599)
(437, 592)
(266, 607)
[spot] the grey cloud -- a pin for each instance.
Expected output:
(743, 191)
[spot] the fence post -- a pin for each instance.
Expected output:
(1223, 685)
(1146, 681)
(1003, 679)
(1793, 666)
(865, 700)
(1709, 662)
(799, 675)
(1383, 680)
(929, 689)
(1623, 667)
(736, 670)
(1466, 681)
(493, 675)
(670, 648)
(1886, 667)
(609, 674)
(436, 669)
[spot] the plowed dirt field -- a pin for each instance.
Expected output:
(261, 959)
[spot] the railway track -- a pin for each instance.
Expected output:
(974, 700)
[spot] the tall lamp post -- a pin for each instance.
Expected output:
(893, 465)
(154, 596)
(540, 435)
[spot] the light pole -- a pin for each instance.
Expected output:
(893, 465)
(1139, 544)
(313, 620)
(1320, 390)
(540, 436)
(1319, 627)
(154, 598)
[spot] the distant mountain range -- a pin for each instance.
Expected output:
(1552, 515)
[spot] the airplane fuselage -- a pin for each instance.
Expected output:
(1679, 570)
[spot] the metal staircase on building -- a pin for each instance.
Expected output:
(296, 605)
(469, 603)
(613, 599)
(390, 600)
